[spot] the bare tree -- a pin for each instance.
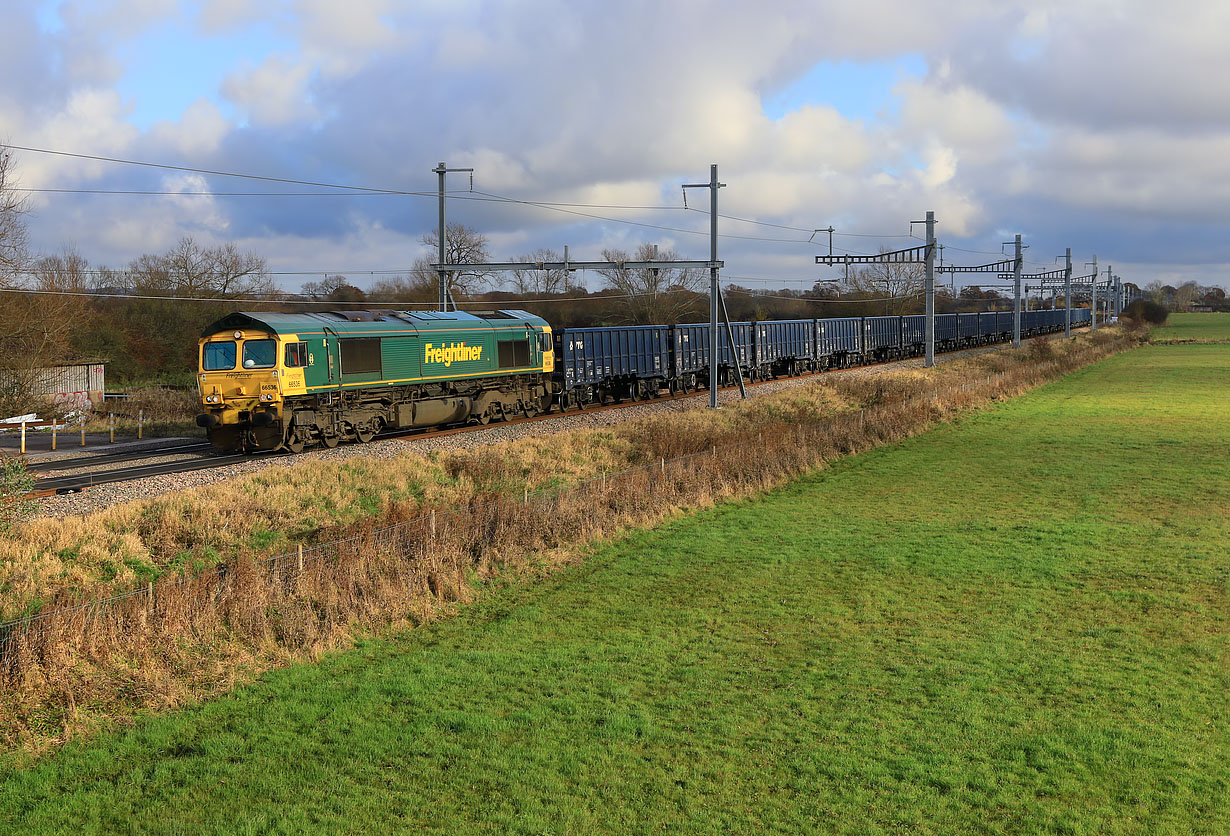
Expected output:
(464, 246)
(13, 207)
(1184, 295)
(334, 288)
(35, 326)
(415, 287)
(534, 281)
(655, 295)
(188, 269)
(38, 328)
(898, 285)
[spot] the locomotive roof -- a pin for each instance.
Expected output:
(373, 321)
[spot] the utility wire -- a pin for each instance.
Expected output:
(821, 299)
(213, 194)
(352, 190)
(479, 195)
(228, 300)
(210, 171)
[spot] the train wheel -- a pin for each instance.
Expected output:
(330, 441)
(365, 433)
(294, 444)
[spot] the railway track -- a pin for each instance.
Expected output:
(117, 457)
(75, 483)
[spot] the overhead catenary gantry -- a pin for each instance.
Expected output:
(925, 255)
(716, 301)
(998, 267)
(910, 255)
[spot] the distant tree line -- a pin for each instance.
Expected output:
(1186, 296)
(133, 318)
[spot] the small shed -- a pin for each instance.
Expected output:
(73, 387)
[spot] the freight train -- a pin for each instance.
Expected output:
(273, 381)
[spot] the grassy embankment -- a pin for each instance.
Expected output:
(78, 670)
(1015, 623)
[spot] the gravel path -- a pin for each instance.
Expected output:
(104, 496)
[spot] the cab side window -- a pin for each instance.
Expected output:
(296, 355)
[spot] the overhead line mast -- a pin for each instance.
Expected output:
(910, 255)
(716, 302)
(442, 170)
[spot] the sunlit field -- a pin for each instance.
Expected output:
(1012, 624)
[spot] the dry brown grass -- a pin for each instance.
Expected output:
(193, 634)
(164, 412)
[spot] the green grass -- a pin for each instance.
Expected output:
(1200, 327)
(1013, 624)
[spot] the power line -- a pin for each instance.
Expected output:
(345, 190)
(212, 172)
(153, 193)
(821, 299)
(352, 190)
(230, 300)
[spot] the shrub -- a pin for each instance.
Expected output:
(15, 483)
(1142, 310)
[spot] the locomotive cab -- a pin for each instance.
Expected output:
(240, 378)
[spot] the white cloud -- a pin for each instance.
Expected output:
(274, 93)
(1047, 115)
(197, 133)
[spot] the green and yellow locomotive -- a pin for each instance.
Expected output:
(274, 381)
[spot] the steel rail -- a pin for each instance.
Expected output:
(77, 483)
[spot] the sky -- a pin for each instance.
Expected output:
(1098, 125)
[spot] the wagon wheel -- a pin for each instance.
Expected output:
(366, 432)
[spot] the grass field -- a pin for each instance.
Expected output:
(1200, 327)
(1012, 624)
